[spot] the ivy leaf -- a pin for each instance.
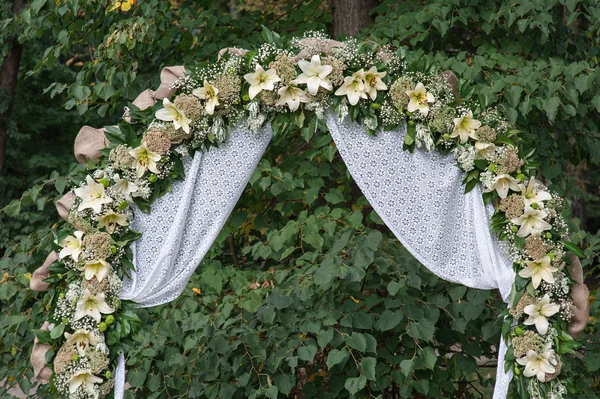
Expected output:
(353, 385)
(367, 367)
(336, 357)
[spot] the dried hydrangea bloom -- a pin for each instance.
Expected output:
(398, 92)
(79, 222)
(336, 77)
(530, 340)
(120, 158)
(96, 287)
(98, 244)
(519, 308)
(513, 206)
(535, 247)
(557, 369)
(229, 88)
(442, 120)
(486, 134)
(285, 67)
(64, 358)
(98, 361)
(157, 141)
(268, 98)
(175, 135)
(509, 161)
(189, 105)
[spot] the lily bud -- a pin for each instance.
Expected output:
(375, 105)
(152, 178)
(102, 326)
(104, 181)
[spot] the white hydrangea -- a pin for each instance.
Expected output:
(465, 156)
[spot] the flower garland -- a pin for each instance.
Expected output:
(358, 80)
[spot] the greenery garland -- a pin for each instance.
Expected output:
(359, 80)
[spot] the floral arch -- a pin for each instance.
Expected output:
(447, 177)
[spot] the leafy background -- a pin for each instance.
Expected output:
(305, 293)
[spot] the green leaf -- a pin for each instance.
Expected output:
(357, 341)
(57, 331)
(429, 357)
(285, 383)
(307, 353)
(353, 385)
(423, 329)
(324, 337)
(336, 357)
(388, 320)
(367, 367)
(573, 248)
(406, 367)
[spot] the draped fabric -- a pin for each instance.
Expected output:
(420, 197)
(183, 224)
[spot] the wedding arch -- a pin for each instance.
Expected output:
(447, 177)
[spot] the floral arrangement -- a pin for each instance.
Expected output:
(272, 84)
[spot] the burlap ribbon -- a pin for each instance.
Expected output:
(581, 298)
(41, 372)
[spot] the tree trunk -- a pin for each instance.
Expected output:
(8, 81)
(350, 16)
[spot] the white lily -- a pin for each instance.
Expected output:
(531, 222)
(353, 87)
(539, 313)
(314, 75)
(82, 339)
(144, 160)
(72, 246)
(261, 80)
(170, 113)
(484, 150)
(209, 93)
(531, 195)
(86, 379)
(98, 268)
(538, 270)
(419, 99)
(292, 96)
(465, 127)
(502, 184)
(93, 306)
(110, 221)
(93, 195)
(124, 187)
(537, 364)
(373, 82)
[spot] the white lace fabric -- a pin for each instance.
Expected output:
(183, 224)
(420, 197)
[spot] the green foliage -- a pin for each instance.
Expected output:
(325, 302)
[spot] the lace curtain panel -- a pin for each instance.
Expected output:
(419, 196)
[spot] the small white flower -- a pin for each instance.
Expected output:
(170, 113)
(292, 96)
(72, 246)
(531, 195)
(419, 99)
(502, 183)
(98, 268)
(93, 306)
(539, 313)
(373, 82)
(144, 159)
(209, 93)
(465, 127)
(124, 187)
(86, 379)
(261, 80)
(538, 270)
(93, 196)
(110, 221)
(353, 87)
(531, 222)
(82, 339)
(484, 150)
(537, 364)
(314, 75)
